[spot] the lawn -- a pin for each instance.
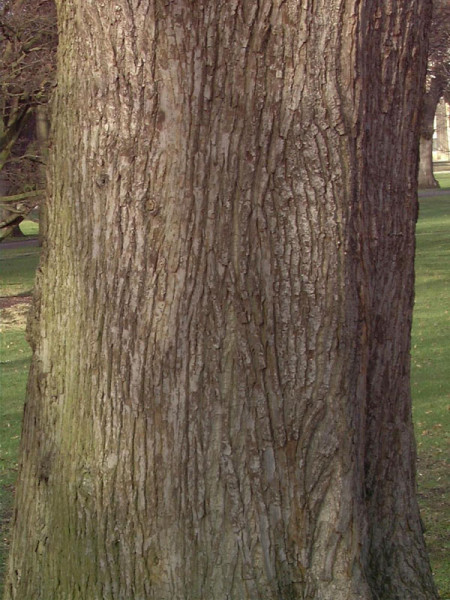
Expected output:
(14, 361)
(443, 179)
(29, 227)
(431, 379)
(430, 376)
(17, 269)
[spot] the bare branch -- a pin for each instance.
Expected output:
(23, 196)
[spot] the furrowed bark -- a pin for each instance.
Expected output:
(219, 401)
(385, 225)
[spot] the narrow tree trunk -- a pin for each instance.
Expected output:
(42, 129)
(426, 175)
(17, 232)
(426, 178)
(219, 403)
(42, 136)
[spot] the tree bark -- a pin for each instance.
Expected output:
(219, 404)
(42, 136)
(17, 232)
(426, 178)
(426, 174)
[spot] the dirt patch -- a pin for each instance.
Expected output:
(8, 301)
(14, 311)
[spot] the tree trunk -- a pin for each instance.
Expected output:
(426, 178)
(426, 174)
(219, 404)
(42, 137)
(17, 232)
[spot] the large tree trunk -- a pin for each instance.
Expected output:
(219, 401)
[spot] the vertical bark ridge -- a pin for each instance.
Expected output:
(386, 215)
(198, 390)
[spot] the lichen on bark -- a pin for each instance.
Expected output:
(219, 392)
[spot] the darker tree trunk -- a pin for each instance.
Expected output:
(17, 232)
(219, 401)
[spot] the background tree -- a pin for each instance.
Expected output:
(219, 401)
(437, 86)
(27, 45)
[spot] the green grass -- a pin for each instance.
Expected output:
(444, 179)
(17, 269)
(29, 228)
(430, 380)
(14, 362)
